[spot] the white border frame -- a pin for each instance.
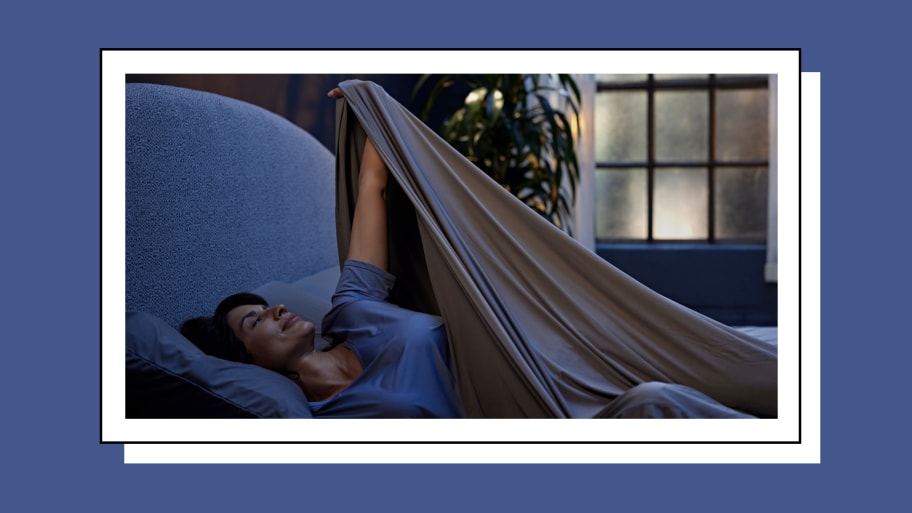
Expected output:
(769, 440)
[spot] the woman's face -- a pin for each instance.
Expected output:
(273, 336)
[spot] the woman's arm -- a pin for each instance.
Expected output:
(369, 230)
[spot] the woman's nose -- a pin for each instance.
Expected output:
(279, 310)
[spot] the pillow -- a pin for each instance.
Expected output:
(321, 284)
(169, 377)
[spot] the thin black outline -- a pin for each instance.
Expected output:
(449, 442)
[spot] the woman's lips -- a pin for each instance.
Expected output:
(291, 319)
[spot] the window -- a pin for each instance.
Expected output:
(682, 158)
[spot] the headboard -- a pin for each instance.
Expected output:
(221, 196)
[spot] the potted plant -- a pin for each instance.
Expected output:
(510, 127)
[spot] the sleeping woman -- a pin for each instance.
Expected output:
(396, 359)
(384, 360)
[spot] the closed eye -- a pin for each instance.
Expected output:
(256, 320)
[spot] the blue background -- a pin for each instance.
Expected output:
(52, 457)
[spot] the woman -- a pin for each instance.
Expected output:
(398, 363)
(385, 361)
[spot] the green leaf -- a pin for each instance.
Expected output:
(494, 104)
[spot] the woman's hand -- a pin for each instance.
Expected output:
(335, 93)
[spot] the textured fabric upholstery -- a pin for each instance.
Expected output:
(221, 197)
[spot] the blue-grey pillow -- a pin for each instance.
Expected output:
(169, 377)
(321, 284)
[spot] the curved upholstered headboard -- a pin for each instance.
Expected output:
(221, 196)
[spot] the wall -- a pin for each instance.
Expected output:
(299, 98)
(722, 282)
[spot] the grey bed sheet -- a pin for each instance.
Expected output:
(538, 325)
(768, 334)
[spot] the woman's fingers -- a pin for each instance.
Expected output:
(335, 93)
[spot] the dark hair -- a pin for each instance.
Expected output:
(214, 336)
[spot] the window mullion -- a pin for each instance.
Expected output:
(711, 162)
(650, 156)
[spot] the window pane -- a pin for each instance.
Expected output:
(741, 204)
(620, 128)
(621, 207)
(681, 126)
(680, 202)
(621, 78)
(742, 128)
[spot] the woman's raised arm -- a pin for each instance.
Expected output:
(369, 229)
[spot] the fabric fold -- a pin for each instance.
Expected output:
(538, 325)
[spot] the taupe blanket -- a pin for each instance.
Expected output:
(538, 325)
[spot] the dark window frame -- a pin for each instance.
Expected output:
(710, 83)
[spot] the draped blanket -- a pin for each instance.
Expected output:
(538, 325)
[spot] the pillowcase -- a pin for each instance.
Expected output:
(169, 377)
(321, 284)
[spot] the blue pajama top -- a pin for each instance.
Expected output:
(404, 354)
